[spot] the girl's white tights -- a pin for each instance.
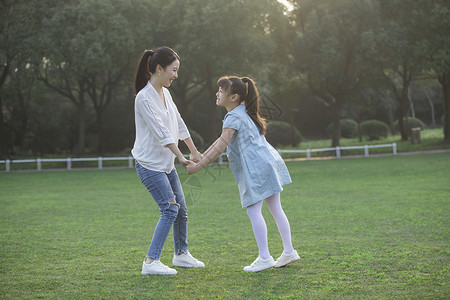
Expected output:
(260, 228)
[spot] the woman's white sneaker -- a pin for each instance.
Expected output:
(284, 259)
(156, 267)
(260, 264)
(186, 260)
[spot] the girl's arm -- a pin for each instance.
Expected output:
(213, 152)
(195, 155)
(211, 147)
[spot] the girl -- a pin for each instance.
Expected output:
(159, 126)
(258, 168)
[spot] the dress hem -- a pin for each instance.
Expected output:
(265, 197)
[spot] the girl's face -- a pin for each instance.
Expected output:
(224, 98)
(169, 74)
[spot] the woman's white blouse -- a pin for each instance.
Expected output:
(156, 127)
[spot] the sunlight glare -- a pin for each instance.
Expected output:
(288, 5)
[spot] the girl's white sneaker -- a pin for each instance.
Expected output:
(284, 259)
(259, 265)
(156, 267)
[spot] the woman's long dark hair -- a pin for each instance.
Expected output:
(246, 89)
(162, 56)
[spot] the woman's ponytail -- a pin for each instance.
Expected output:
(142, 72)
(251, 101)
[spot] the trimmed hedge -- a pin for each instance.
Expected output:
(374, 129)
(348, 128)
(279, 133)
(409, 123)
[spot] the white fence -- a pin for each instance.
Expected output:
(130, 159)
(339, 149)
(68, 161)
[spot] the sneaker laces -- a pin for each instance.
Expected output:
(255, 262)
(160, 264)
(190, 256)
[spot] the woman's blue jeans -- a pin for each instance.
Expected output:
(165, 187)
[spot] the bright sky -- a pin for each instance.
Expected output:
(287, 4)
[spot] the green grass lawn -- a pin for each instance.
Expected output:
(369, 228)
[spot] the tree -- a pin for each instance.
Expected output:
(437, 48)
(87, 52)
(334, 41)
(20, 21)
(401, 46)
(216, 38)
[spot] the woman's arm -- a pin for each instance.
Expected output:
(213, 152)
(173, 147)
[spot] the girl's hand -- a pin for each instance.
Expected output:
(192, 168)
(184, 162)
(196, 156)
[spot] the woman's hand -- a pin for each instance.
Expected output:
(196, 156)
(192, 168)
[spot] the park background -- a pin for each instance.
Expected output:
(327, 69)
(330, 72)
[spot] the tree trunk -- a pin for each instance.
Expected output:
(81, 106)
(411, 103)
(403, 104)
(433, 118)
(212, 106)
(21, 116)
(359, 132)
(444, 79)
(335, 141)
(5, 132)
(100, 133)
(5, 145)
(391, 119)
(79, 103)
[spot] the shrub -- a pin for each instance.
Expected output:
(374, 129)
(409, 123)
(348, 128)
(279, 133)
(198, 141)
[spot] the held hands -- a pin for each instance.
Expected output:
(192, 168)
(184, 162)
(192, 164)
(196, 156)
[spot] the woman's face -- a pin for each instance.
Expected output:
(170, 73)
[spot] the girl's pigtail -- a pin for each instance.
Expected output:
(252, 104)
(142, 72)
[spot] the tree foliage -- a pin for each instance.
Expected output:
(67, 67)
(333, 49)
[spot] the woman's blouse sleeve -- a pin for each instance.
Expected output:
(183, 132)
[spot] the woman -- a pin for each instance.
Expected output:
(159, 126)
